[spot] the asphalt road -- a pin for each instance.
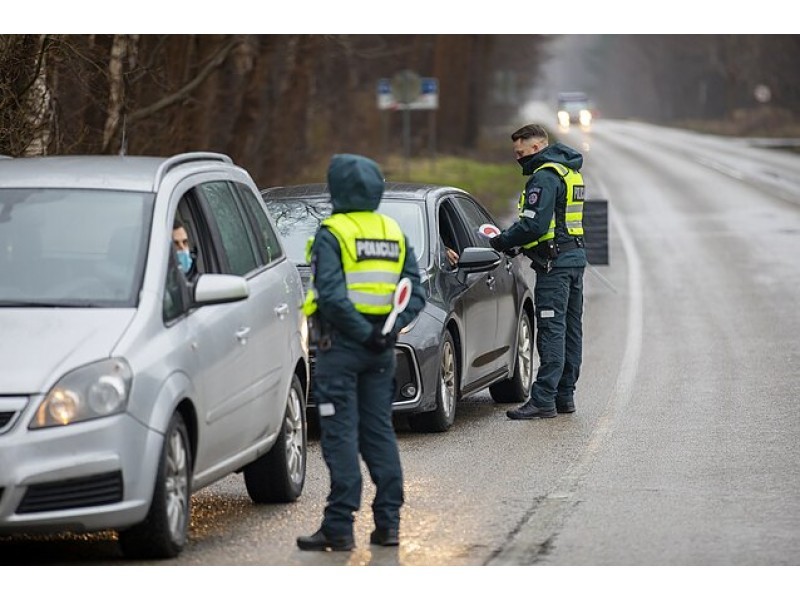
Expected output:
(685, 448)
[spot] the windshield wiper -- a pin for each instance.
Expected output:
(53, 304)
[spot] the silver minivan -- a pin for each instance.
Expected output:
(133, 373)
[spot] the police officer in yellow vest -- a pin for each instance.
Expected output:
(357, 258)
(550, 232)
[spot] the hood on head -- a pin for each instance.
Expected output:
(355, 183)
(558, 153)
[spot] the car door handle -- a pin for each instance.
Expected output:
(242, 334)
(490, 281)
(282, 310)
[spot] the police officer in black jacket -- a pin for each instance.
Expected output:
(550, 233)
(357, 258)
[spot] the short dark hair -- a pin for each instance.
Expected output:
(529, 131)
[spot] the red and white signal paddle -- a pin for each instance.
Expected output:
(489, 230)
(402, 294)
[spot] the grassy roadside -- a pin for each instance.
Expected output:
(495, 185)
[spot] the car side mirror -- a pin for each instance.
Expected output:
(478, 260)
(213, 288)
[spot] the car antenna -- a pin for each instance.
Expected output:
(123, 145)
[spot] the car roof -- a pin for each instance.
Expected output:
(135, 173)
(572, 96)
(393, 190)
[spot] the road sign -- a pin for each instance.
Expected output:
(390, 95)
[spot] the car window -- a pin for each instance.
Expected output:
(236, 239)
(190, 216)
(452, 228)
(475, 216)
(269, 244)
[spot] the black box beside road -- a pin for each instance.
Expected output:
(595, 231)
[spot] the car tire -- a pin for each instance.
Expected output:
(517, 389)
(279, 475)
(443, 416)
(164, 531)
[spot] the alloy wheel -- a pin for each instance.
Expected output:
(293, 428)
(447, 381)
(177, 485)
(524, 353)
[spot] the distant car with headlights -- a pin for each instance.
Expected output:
(574, 107)
(125, 384)
(475, 332)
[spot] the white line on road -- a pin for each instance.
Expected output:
(546, 518)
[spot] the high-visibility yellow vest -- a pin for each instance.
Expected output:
(373, 254)
(575, 197)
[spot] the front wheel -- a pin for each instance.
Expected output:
(442, 417)
(164, 531)
(517, 389)
(279, 475)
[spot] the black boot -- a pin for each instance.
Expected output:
(566, 406)
(385, 537)
(530, 411)
(320, 541)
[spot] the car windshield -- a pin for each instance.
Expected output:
(574, 106)
(299, 219)
(71, 247)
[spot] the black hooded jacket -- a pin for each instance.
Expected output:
(546, 192)
(355, 184)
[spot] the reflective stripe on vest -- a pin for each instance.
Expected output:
(574, 209)
(373, 254)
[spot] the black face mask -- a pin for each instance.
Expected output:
(525, 160)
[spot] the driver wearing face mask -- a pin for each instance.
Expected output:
(180, 240)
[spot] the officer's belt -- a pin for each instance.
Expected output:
(570, 245)
(541, 250)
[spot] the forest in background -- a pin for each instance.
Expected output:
(279, 105)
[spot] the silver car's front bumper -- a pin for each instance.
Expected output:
(87, 476)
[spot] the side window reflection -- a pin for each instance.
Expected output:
(236, 242)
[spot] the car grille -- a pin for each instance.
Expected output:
(10, 408)
(5, 418)
(73, 493)
(404, 375)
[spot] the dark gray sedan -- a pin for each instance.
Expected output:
(476, 329)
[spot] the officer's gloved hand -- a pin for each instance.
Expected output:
(495, 243)
(377, 342)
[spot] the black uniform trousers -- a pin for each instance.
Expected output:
(558, 299)
(354, 389)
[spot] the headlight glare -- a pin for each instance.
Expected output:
(62, 408)
(89, 392)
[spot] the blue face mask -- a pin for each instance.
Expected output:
(184, 260)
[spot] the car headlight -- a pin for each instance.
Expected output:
(95, 390)
(585, 117)
(563, 118)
